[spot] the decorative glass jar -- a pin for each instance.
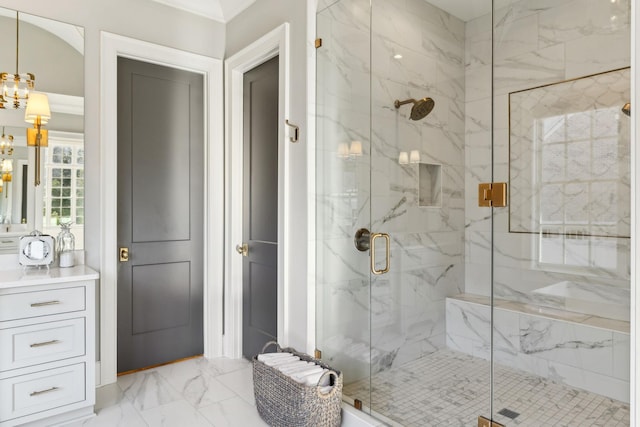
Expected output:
(66, 246)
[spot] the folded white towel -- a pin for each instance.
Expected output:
(281, 361)
(300, 375)
(326, 389)
(297, 366)
(264, 356)
(315, 377)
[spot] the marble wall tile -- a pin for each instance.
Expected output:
(583, 347)
(530, 69)
(580, 18)
(597, 54)
(596, 383)
(621, 356)
(509, 43)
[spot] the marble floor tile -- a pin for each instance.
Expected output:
(121, 414)
(232, 412)
(447, 388)
(178, 413)
(193, 381)
(147, 389)
(240, 382)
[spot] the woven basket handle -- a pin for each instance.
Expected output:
(270, 343)
(333, 389)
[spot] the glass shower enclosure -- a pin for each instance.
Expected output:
(444, 301)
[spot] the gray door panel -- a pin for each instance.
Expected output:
(260, 201)
(160, 214)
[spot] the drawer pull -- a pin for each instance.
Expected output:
(39, 392)
(42, 344)
(42, 304)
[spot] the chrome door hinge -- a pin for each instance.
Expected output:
(492, 194)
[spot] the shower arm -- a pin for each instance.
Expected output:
(398, 103)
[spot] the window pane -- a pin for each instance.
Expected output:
(55, 192)
(66, 212)
(66, 173)
(55, 203)
(66, 182)
(56, 172)
(79, 191)
(66, 202)
(80, 159)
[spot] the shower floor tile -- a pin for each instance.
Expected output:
(447, 388)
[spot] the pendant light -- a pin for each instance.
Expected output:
(15, 87)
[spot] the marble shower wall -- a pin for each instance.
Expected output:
(356, 103)
(537, 42)
(417, 52)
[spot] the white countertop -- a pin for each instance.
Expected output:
(41, 276)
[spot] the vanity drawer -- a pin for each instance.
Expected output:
(41, 303)
(41, 343)
(41, 391)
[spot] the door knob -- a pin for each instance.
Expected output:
(124, 254)
(243, 249)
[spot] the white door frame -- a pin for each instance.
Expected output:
(112, 47)
(275, 43)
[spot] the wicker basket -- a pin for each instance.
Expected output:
(283, 402)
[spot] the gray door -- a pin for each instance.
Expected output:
(260, 201)
(160, 214)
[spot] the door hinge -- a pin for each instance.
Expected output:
(318, 43)
(492, 194)
(317, 354)
(485, 422)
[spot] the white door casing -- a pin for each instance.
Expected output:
(112, 47)
(274, 43)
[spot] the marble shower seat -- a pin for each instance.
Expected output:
(580, 350)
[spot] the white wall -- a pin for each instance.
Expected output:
(144, 20)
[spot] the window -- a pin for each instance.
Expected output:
(63, 185)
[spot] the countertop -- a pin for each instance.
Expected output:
(31, 276)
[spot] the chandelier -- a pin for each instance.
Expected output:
(16, 87)
(6, 143)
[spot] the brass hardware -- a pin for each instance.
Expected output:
(36, 393)
(362, 240)
(318, 43)
(317, 354)
(124, 254)
(485, 422)
(387, 266)
(492, 194)
(296, 131)
(42, 304)
(42, 344)
(357, 403)
(243, 249)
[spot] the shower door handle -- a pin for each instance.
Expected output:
(387, 266)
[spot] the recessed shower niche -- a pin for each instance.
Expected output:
(429, 185)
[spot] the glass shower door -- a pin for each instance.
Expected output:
(343, 199)
(561, 248)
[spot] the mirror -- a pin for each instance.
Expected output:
(53, 51)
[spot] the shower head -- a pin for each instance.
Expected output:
(627, 109)
(421, 108)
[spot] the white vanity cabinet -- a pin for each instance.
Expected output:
(47, 345)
